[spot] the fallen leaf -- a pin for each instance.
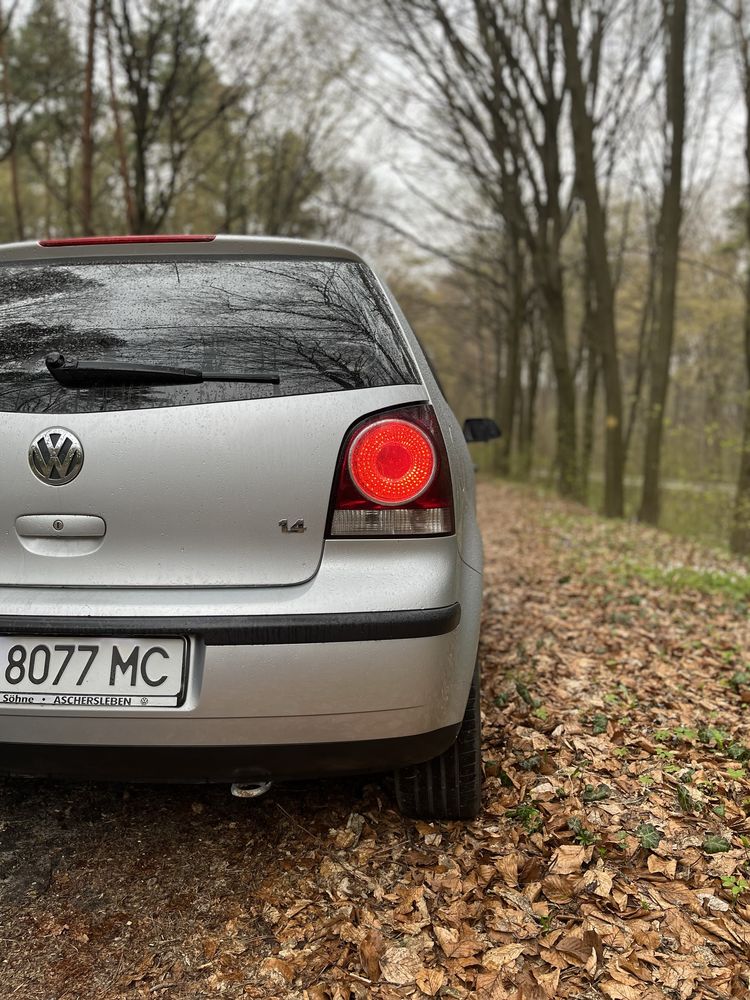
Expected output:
(430, 981)
(371, 949)
(277, 969)
(662, 866)
(400, 966)
(569, 858)
(498, 958)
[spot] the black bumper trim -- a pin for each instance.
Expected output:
(221, 764)
(251, 630)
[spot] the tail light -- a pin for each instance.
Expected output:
(393, 478)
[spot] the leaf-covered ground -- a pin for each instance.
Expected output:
(612, 858)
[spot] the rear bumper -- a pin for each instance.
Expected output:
(252, 630)
(285, 696)
(222, 764)
(297, 667)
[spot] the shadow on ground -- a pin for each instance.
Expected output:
(103, 884)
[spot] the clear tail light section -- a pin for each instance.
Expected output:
(393, 478)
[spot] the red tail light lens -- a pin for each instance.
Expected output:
(393, 478)
(392, 462)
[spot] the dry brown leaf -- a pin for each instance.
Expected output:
(210, 947)
(430, 981)
(371, 949)
(507, 868)
(569, 858)
(400, 966)
(548, 979)
(498, 958)
(558, 888)
(276, 969)
(575, 949)
(317, 992)
(454, 945)
(662, 866)
(619, 991)
(558, 959)
(599, 881)
(490, 986)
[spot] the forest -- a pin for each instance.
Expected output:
(557, 191)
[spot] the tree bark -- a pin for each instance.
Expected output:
(528, 421)
(509, 389)
(87, 125)
(739, 539)
(598, 262)
(668, 245)
(592, 383)
(10, 128)
(566, 434)
(122, 156)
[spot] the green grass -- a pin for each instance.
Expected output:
(702, 512)
(667, 558)
(605, 549)
(734, 586)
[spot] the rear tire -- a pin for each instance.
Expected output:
(448, 786)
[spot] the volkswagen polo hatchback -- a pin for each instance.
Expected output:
(237, 530)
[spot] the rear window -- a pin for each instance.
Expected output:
(323, 325)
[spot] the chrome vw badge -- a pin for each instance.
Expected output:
(56, 456)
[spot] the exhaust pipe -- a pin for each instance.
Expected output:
(250, 789)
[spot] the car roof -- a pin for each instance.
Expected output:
(187, 245)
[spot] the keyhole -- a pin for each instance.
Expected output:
(58, 525)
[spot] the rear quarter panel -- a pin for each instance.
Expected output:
(468, 535)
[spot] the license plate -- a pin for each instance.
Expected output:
(79, 673)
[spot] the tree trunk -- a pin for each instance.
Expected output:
(589, 412)
(592, 384)
(598, 262)
(549, 276)
(668, 246)
(511, 382)
(533, 369)
(739, 539)
(122, 155)
(499, 339)
(87, 125)
(10, 128)
(566, 433)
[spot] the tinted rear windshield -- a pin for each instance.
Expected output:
(323, 325)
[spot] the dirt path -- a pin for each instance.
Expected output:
(611, 860)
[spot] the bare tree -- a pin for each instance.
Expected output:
(597, 246)
(674, 14)
(492, 93)
(174, 95)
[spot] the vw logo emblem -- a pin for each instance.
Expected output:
(56, 456)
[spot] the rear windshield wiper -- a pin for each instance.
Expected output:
(73, 373)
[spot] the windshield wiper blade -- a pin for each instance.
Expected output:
(73, 373)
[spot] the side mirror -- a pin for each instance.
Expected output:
(480, 429)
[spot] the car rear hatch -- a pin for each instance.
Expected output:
(210, 484)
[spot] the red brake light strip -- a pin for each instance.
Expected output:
(88, 241)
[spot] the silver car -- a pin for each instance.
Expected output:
(238, 539)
